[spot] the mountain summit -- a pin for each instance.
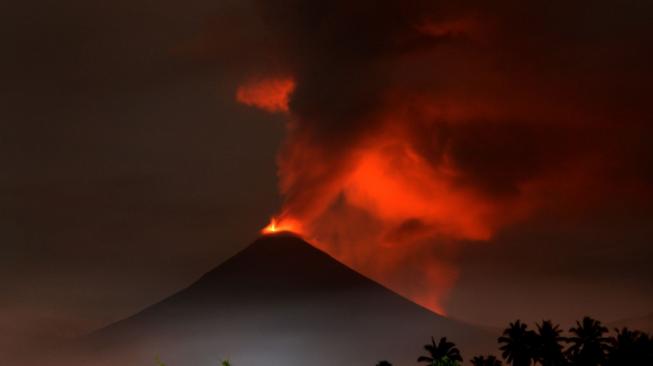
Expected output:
(280, 302)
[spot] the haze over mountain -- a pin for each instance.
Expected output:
(643, 323)
(278, 302)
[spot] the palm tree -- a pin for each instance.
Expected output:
(548, 347)
(485, 361)
(517, 346)
(644, 346)
(630, 348)
(588, 345)
(443, 353)
(384, 363)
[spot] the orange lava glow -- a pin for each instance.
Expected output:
(270, 94)
(277, 226)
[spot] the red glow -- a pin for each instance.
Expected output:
(270, 94)
(439, 134)
(384, 209)
(397, 184)
(453, 27)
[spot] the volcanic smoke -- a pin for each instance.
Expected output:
(268, 94)
(413, 130)
(379, 207)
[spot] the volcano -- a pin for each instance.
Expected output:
(280, 301)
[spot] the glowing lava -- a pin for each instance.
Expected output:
(277, 225)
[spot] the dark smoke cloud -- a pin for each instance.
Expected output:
(533, 87)
(502, 108)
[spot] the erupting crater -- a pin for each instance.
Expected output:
(277, 226)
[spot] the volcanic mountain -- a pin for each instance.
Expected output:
(280, 301)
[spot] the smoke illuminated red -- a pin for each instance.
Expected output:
(269, 94)
(428, 129)
(382, 204)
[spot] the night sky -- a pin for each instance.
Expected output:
(130, 168)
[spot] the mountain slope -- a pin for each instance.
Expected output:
(279, 302)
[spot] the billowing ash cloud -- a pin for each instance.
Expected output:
(414, 126)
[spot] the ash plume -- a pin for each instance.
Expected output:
(417, 126)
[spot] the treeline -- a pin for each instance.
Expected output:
(588, 344)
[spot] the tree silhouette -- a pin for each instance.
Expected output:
(521, 347)
(485, 361)
(588, 345)
(442, 353)
(518, 344)
(548, 347)
(630, 348)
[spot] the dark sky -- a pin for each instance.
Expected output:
(130, 170)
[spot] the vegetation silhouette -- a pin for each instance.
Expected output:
(548, 345)
(443, 353)
(518, 347)
(630, 348)
(588, 344)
